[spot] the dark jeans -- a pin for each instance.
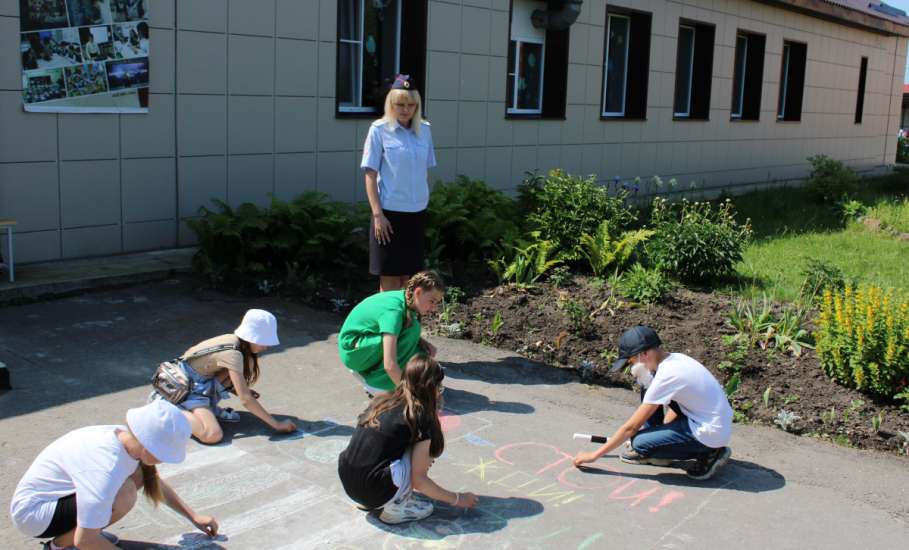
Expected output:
(673, 441)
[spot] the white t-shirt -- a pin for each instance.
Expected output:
(681, 379)
(90, 462)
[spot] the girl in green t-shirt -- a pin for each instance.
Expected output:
(383, 331)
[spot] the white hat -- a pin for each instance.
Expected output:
(258, 327)
(162, 429)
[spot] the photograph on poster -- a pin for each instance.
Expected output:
(85, 79)
(131, 39)
(42, 14)
(89, 12)
(43, 85)
(129, 10)
(97, 44)
(131, 73)
(47, 49)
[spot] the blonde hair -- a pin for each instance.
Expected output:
(412, 95)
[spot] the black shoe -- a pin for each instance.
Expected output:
(633, 457)
(704, 468)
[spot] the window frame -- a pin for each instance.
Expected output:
(603, 112)
(517, 63)
(694, 36)
(784, 81)
(359, 110)
(862, 89)
(739, 73)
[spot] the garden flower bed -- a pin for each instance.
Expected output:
(536, 324)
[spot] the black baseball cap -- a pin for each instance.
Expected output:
(634, 341)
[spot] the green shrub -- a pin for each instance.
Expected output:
(529, 261)
(562, 207)
(820, 275)
(645, 286)
(757, 322)
(603, 250)
(306, 241)
(830, 179)
(696, 242)
(863, 339)
(578, 317)
(468, 222)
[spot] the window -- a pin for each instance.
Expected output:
(626, 64)
(860, 101)
(693, 71)
(537, 65)
(748, 76)
(792, 81)
(377, 39)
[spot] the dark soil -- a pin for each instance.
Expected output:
(534, 323)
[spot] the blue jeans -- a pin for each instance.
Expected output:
(673, 441)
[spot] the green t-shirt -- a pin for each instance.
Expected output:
(360, 339)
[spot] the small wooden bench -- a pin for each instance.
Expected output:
(10, 261)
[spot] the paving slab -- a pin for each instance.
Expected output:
(84, 360)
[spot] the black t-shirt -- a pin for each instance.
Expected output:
(364, 466)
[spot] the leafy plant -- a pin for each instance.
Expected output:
(528, 263)
(904, 397)
(732, 385)
(791, 398)
(603, 250)
(453, 295)
(695, 241)
(560, 276)
(496, 324)
(876, 421)
(829, 418)
(854, 406)
(851, 209)
(756, 323)
(643, 285)
(830, 179)
(863, 339)
(562, 207)
(304, 241)
(820, 275)
(786, 419)
(468, 222)
(902, 149)
(578, 317)
(765, 397)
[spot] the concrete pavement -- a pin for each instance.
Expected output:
(84, 360)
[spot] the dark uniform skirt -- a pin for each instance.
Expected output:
(403, 255)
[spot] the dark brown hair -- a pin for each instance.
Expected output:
(419, 394)
(250, 363)
(150, 485)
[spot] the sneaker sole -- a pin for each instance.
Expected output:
(648, 461)
(723, 458)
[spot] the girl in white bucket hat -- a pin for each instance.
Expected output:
(228, 364)
(89, 479)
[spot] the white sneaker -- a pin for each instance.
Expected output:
(409, 509)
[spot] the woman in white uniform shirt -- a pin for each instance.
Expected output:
(89, 478)
(397, 156)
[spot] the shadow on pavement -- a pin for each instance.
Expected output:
(189, 541)
(75, 348)
(463, 402)
(510, 370)
(250, 426)
(736, 475)
(491, 514)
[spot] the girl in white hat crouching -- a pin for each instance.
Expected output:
(89, 478)
(229, 364)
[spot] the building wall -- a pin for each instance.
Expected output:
(242, 105)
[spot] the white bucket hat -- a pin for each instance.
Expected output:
(162, 429)
(258, 327)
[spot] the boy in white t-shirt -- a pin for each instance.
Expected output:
(698, 424)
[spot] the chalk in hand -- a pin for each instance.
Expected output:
(591, 438)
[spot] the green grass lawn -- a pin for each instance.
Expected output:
(790, 227)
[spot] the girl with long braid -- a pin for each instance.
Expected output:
(383, 331)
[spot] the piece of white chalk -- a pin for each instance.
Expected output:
(591, 438)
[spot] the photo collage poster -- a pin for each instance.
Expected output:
(84, 56)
